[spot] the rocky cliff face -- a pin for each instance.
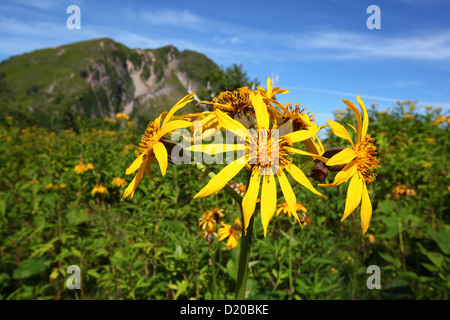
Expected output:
(99, 78)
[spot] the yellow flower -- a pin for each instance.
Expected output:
(122, 116)
(333, 271)
(210, 218)
(359, 162)
(80, 168)
(340, 111)
(429, 107)
(49, 186)
(239, 187)
(34, 181)
(118, 182)
(232, 233)
(371, 238)
(427, 165)
(99, 189)
(151, 149)
(262, 162)
(283, 207)
(63, 185)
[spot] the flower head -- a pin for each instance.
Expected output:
(119, 182)
(232, 233)
(100, 189)
(151, 149)
(266, 155)
(359, 161)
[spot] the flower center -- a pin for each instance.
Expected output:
(267, 153)
(365, 159)
(149, 138)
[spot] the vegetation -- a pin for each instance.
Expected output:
(55, 213)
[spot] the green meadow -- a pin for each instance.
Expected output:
(60, 205)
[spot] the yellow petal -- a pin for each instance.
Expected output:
(268, 200)
(160, 152)
(366, 209)
(149, 172)
(180, 104)
(340, 131)
(301, 135)
(300, 177)
(342, 176)
(134, 184)
(230, 124)
(220, 180)
(269, 87)
(173, 125)
(365, 121)
(288, 193)
(249, 200)
(262, 115)
(315, 156)
(136, 164)
(212, 149)
(357, 114)
(343, 157)
(353, 195)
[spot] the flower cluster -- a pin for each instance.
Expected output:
(265, 137)
(82, 168)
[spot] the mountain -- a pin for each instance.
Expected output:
(99, 78)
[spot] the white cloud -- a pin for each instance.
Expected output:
(170, 17)
(348, 45)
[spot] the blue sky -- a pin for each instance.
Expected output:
(321, 50)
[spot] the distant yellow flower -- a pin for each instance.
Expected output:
(430, 140)
(427, 165)
(152, 149)
(9, 118)
(99, 189)
(49, 186)
(283, 207)
(371, 238)
(239, 187)
(340, 111)
(34, 181)
(82, 168)
(429, 107)
(122, 116)
(333, 271)
(210, 218)
(359, 163)
(119, 182)
(232, 233)
(63, 185)
(439, 119)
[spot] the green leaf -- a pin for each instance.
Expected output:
(442, 238)
(30, 268)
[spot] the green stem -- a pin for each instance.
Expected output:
(244, 258)
(400, 235)
(214, 292)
